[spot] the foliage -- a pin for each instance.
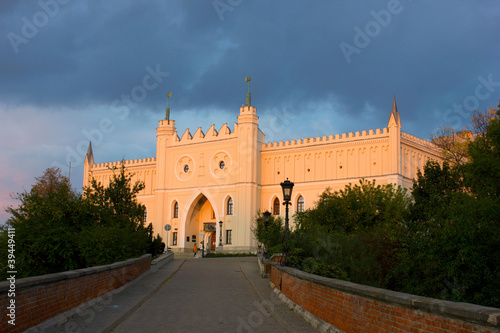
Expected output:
(59, 230)
(453, 144)
(481, 121)
(351, 234)
(452, 251)
(274, 231)
(118, 231)
(443, 241)
(45, 223)
(483, 171)
(355, 208)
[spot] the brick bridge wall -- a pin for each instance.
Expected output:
(351, 307)
(39, 298)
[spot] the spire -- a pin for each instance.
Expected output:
(247, 80)
(167, 110)
(89, 158)
(394, 115)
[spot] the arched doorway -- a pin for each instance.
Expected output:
(200, 224)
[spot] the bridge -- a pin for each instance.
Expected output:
(185, 294)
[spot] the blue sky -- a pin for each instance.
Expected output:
(71, 71)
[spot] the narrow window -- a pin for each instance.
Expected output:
(176, 210)
(230, 206)
(145, 215)
(229, 236)
(276, 207)
(300, 204)
(174, 238)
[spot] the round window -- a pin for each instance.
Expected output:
(186, 168)
(222, 164)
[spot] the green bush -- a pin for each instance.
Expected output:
(274, 232)
(58, 230)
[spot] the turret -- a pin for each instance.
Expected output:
(87, 165)
(394, 117)
(394, 125)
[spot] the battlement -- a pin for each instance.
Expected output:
(128, 163)
(199, 136)
(337, 138)
(413, 138)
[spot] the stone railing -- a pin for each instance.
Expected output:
(39, 298)
(343, 306)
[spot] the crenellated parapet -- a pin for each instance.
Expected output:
(418, 140)
(331, 139)
(199, 136)
(128, 163)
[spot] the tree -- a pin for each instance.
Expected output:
(480, 121)
(355, 232)
(453, 233)
(57, 229)
(274, 231)
(118, 231)
(452, 143)
(432, 190)
(483, 171)
(46, 222)
(355, 208)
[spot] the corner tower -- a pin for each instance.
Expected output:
(165, 136)
(250, 140)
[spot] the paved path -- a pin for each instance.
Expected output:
(187, 295)
(213, 295)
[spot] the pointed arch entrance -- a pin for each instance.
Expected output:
(200, 225)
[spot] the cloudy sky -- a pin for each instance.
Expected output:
(71, 71)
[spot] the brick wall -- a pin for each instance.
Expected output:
(351, 307)
(39, 298)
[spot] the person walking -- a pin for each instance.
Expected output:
(195, 250)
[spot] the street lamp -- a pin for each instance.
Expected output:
(266, 215)
(287, 187)
(220, 234)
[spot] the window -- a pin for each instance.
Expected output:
(193, 238)
(300, 204)
(187, 239)
(145, 215)
(174, 238)
(222, 165)
(230, 206)
(276, 206)
(186, 168)
(176, 210)
(229, 236)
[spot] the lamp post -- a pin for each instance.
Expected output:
(266, 215)
(287, 187)
(220, 233)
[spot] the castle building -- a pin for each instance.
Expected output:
(209, 186)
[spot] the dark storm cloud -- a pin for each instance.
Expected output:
(92, 52)
(67, 66)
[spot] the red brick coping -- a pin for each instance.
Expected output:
(351, 307)
(39, 298)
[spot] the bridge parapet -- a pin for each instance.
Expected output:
(350, 307)
(39, 298)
